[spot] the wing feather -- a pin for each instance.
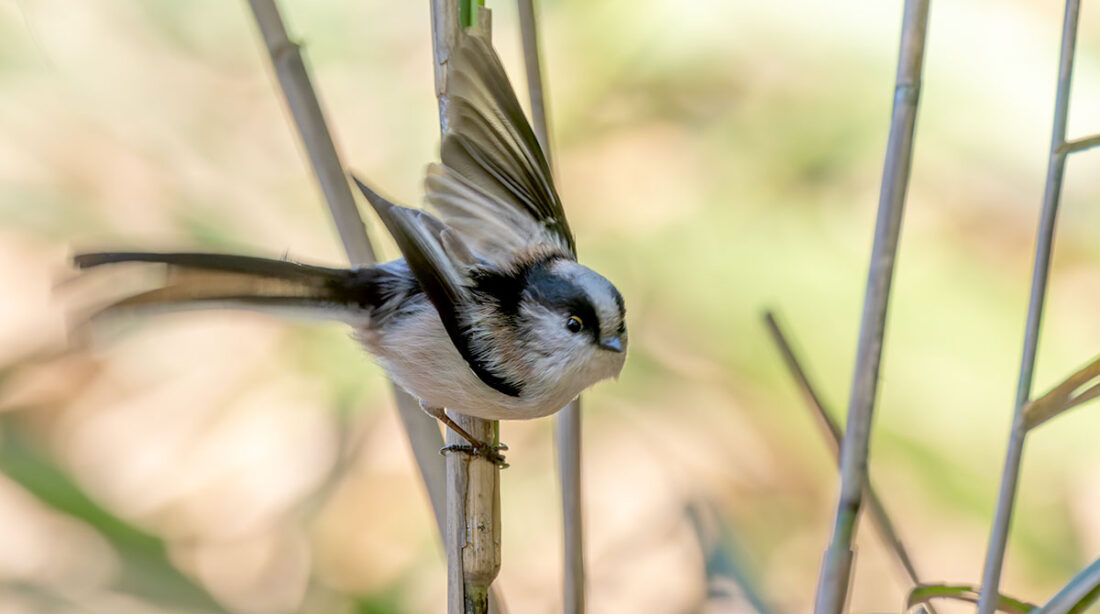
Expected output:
(418, 237)
(473, 211)
(493, 171)
(439, 261)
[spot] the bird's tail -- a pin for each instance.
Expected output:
(198, 281)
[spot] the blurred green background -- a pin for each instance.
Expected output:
(716, 158)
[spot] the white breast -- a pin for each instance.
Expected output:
(417, 353)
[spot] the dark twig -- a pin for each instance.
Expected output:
(836, 568)
(879, 516)
(1056, 166)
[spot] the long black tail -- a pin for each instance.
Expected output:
(195, 280)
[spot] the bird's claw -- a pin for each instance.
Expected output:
(486, 451)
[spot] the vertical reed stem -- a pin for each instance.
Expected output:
(837, 565)
(879, 516)
(568, 431)
(528, 29)
(473, 483)
(302, 99)
(568, 421)
(1056, 165)
(473, 522)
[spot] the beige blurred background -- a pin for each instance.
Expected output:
(716, 158)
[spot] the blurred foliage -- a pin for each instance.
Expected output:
(715, 158)
(147, 572)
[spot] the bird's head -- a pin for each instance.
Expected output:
(572, 321)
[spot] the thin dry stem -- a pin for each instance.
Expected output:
(473, 483)
(1079, 145)
(568, 430)
(568, 421)
(1080, 387)
(528, 28)
(304, 106)
(1056, 166)
(286, 57)
(829, 426)
(836, 568)
(473, 521)
(1077, 594)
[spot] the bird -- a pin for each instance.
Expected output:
(487, 313)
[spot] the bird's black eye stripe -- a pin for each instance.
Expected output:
(562, 296)
(583, 311)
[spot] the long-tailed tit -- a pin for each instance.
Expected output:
(488, 314)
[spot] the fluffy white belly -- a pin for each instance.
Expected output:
(420, 357)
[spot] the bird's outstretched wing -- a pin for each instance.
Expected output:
(494, 185)
(441, 262)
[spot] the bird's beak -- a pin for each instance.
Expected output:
(615, 344)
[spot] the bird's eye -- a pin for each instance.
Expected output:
(574, 324)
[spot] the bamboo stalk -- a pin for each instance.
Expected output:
(422, 430)
(836, 568)
(473, 483)
(1056, 166)
(879, 516)
(568, 422)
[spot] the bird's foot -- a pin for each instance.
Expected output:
(483, 450)
(476, 448)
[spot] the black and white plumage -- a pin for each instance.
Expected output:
(488, 313)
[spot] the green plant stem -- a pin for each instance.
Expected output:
(922, 595)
